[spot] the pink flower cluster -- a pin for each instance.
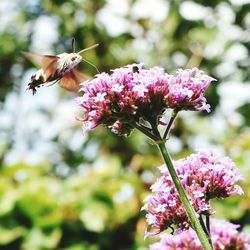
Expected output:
(131, 94)
(224, 236)
(204, 176)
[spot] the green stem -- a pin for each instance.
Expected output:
(208, 223)
(183, 197)
(170, 123)
(206, 230)
(146, 132)
(203, 226)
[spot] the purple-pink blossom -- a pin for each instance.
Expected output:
(224, 236)
(204, 175)
(123, 98)
(188, 90)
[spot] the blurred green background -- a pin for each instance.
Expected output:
(63, 189)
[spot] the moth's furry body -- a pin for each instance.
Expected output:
(67, 61)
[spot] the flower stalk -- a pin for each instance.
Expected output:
(170, 123)
(183, 197)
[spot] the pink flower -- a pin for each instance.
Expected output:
(128, 96)
(224, 236)
(204, 176)
(188, 89)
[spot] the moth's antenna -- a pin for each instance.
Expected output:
(73, 44)
(91, 47)
(91, 65)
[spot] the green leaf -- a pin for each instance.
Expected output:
(95, 216)
(37, 239)
(7, 202)
(10, 234)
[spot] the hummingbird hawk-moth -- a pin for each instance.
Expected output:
(57, 69)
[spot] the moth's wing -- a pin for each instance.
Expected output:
(47, 62)
(80, 76)
(71, 80)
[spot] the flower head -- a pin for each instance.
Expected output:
(204, 176)
(188, 90)
(128, 96)
(224, 236)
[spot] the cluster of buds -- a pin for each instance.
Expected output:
(224, 236)
(204, 176)
(132, 94)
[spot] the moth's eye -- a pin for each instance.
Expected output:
(73, 58)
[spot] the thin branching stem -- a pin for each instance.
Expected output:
(206, 228)
(208, 225)
(170, 123)
(146, 131)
